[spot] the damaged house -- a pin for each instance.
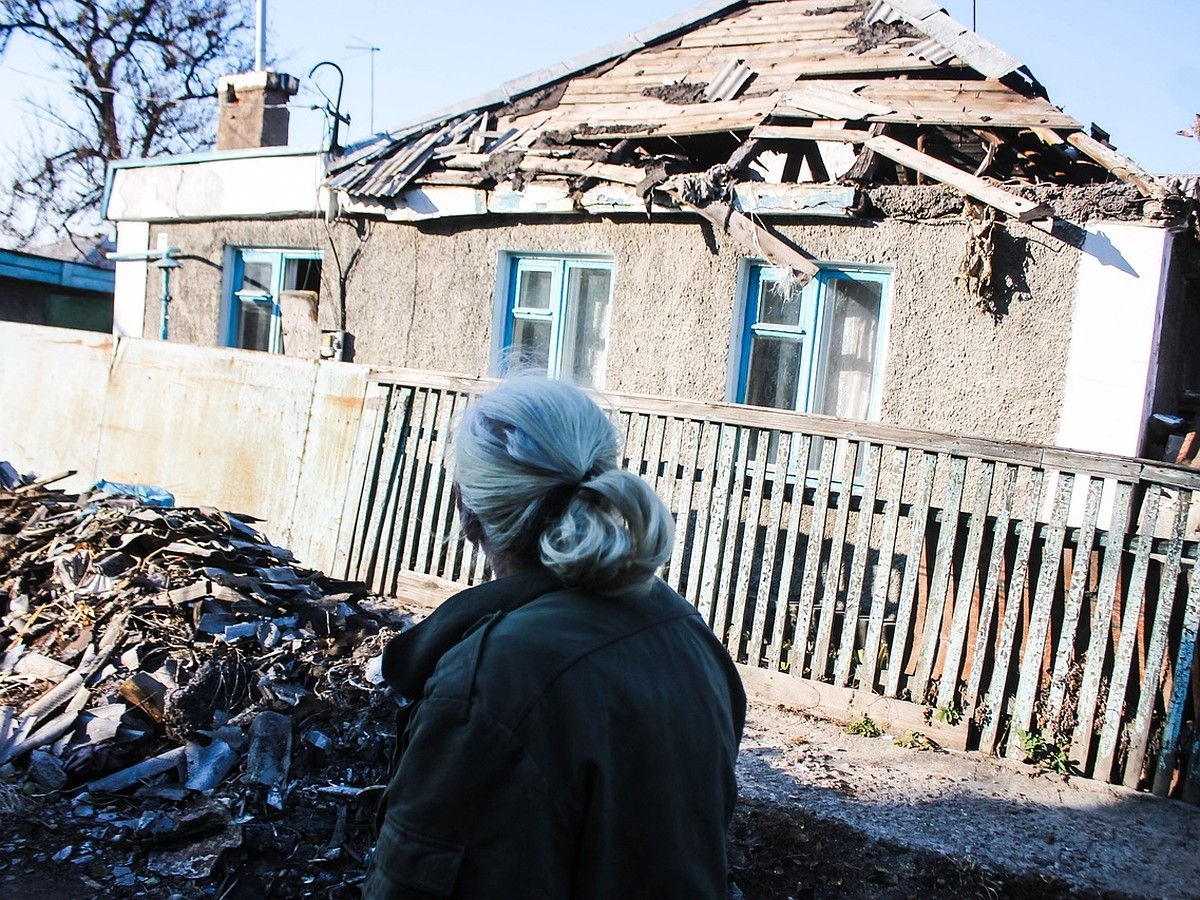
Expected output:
(857, 209)
(756, 209)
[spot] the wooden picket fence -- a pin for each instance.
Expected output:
(1041, 596)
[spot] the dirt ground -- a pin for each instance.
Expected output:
(823, 814)
(865, 817)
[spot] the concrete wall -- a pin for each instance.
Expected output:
(423, 296)
(247, 432)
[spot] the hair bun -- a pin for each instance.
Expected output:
(517, 455)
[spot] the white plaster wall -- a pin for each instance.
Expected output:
(269, 185)
(129, 290)
(53, 383)
(1112, 357)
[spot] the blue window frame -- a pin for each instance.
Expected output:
(555, 316)
(259, 278)
(817, 348)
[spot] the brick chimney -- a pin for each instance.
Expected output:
(253, 109)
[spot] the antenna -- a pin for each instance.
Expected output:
(333, 108)
(363, 45)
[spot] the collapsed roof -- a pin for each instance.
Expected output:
(761, 106)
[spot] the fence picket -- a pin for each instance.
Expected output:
(1123, 662)
(768, 589)
(940, 582)
(989, 601)
(858, 567)
(436, 530)
(1156, 650)
(748, 551)
(732, 545)
(707, 459)
(833, 568)
(1064, 658)
(717, 522)
(361, 481)
(454, 542)
(812, 557)
(797, 457)
(912, 568)
(1097, 652)
(964, 596)
(1029, 676)
(682, 482)
(1013, 601)
(412, 481)
(382, 521)
(1185, 660)
(894, 496)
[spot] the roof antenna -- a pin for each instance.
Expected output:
(974, 27)
(363, 45)
(332, 107)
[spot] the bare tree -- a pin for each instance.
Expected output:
(137, 72)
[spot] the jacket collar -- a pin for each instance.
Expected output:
(410, 658)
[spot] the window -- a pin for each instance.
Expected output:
(260, 277)
(814, 349)
(556, 314)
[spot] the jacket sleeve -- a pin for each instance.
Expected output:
(468, 813)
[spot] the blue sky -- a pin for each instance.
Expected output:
(1131, 68)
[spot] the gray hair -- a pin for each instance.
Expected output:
(537, 462)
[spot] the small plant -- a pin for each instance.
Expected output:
(914, 740)
(949, 713)
(1044, 754)
(864, 726)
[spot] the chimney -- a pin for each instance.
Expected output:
(253, 109)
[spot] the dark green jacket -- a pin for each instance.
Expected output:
(565, 747)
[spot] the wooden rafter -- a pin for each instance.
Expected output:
(983, 191)
(1121, 166)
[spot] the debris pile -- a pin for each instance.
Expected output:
(186, 699)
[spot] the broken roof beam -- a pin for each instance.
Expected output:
(532, 164)
(983, 191)
(753, 236)
(809, 133)
(1121, 166)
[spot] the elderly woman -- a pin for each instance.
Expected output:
(574, 723)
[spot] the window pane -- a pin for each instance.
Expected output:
(533, 289)
(254, 325)
(531, 344)
(774, 372)
(589, 290)
(303, 275)
(258, 276)
(778, 304)
(850, 347)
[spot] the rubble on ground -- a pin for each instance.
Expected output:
(185, 701)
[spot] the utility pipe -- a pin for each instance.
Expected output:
(260, 37)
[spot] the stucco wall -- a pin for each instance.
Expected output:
(197, 286)
(423, 296)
